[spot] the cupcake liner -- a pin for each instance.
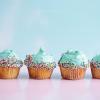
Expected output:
(40, 72)
(9, 72)
(95, 71)
(72, 73)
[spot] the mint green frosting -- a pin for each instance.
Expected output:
(6, 54)
(96, 59)
(9, 58)
(42, 57)
(74, 58)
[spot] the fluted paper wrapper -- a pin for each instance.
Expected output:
(9, 72)
(95, 71)
(72, 73)
(40, 72)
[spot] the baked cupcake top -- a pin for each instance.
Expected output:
(39, 59)
(8, 58)
(96, 61)
(73, 59)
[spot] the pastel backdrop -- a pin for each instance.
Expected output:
(55, 25)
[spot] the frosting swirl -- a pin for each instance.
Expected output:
(74, 59)
(41, 58)
(96, 61)
(9, 58)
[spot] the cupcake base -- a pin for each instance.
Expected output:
(40, 72)
(9, 72)
(95, 72)
(72, 73)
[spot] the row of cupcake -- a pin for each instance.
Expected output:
(72, 64)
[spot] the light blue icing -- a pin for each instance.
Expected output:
(42, 57)
(96, 59)
(74, 58)
(6, 54)
(10, 58)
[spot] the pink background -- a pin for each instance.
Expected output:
(24, 88)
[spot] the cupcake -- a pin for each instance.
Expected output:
(73, 65)
(40, 65)
(95, 67)
(9, 65)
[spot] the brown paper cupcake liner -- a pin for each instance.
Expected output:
(9, 72)
(72, 73)
(40, 72)
(95, 72)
